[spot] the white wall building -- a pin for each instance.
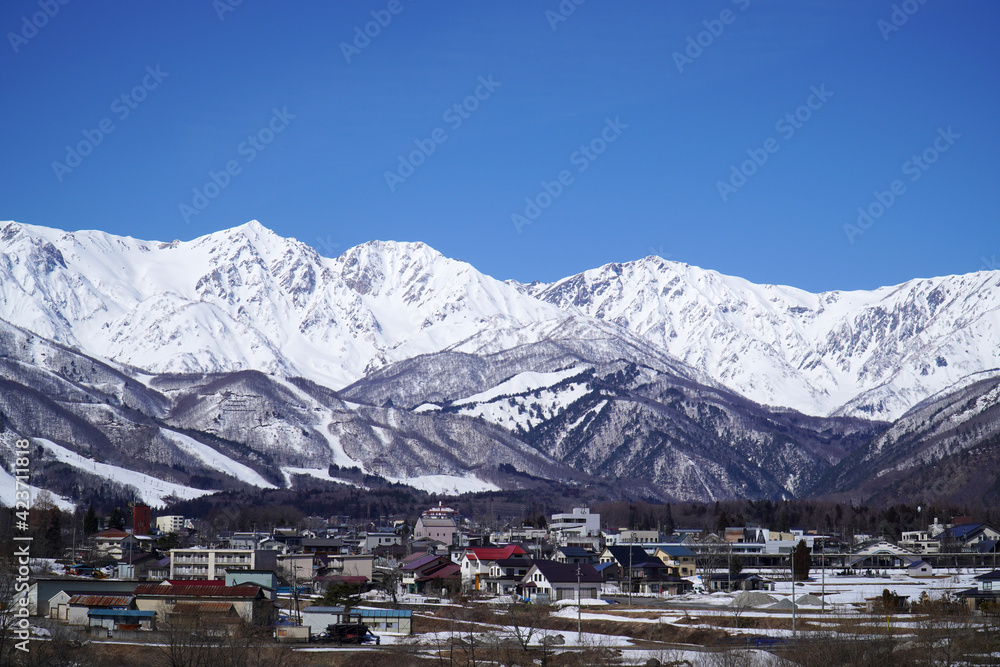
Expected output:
(581, 522)
(196, 563)
(173, 523)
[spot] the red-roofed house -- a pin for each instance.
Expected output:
(115, 543)
(429, 573)
(476, 562)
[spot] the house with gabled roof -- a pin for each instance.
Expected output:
(429, 573)
(477, 561)
(505, 575)
(250, 602)
(552, 581)
(573, 555)
(635, 570)
(987, 590)
(115, 543)
(680, 559)
(966, 536)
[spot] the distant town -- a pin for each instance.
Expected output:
(568, 587)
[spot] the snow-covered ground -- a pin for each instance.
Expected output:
(446, 484)
(151, 490)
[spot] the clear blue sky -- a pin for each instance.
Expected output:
(654, 189)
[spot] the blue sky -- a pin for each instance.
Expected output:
(310, 128)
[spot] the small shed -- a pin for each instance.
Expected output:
(379, 621)
(920, 569)
(122, 619)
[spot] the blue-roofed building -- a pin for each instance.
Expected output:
(680, 559)
(379, 621)
(122, 619)
(966, 536)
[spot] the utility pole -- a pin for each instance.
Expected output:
(822, 565)
(579, 613)
(630, 573)
(793, 592)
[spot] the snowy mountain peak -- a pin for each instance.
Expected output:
(246, 298)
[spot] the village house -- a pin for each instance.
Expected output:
(115, 543)
(966, 536)
(987, 591)
(506, 575)
(680, 559)
(550, 581)
(476, 562)
(743, 581)
(427, 574)
(574, 555)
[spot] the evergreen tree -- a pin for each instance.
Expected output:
(801, 561)
(668, 522)
(116, 520)
(90, 523)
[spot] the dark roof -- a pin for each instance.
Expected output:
(137, 556)
(989, 576)
(196, 591)
(342, 578)
(986, 546)
(322, 542)
(120, 613)
(567, 572)
(196, 582)
(962, 531)
(742, 576)
(365, 613)
(420, 561)
(630, 554)
(677, 550)
(441, 571)
(575, 552)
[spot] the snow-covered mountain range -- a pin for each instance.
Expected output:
(408, 364)
(246, 298)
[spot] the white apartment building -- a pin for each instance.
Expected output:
(579, 523)
(200, 563)
(173, 523)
